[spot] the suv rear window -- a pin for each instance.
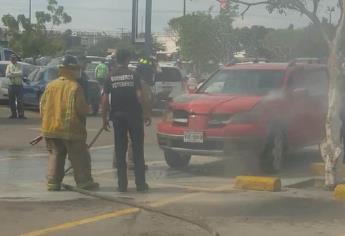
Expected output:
(169, 75)
(244, 82)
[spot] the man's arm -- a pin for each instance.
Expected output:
(105, 111)
(43, 102)
(96, 71)
(8, 71)
(145, 98)
(106, 104)
(18, 71)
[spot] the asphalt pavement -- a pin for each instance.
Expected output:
(203, 192)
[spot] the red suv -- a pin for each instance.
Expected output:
(262, 107)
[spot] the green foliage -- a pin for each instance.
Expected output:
(11, 22)
(252, 40)
(203, 38)
(31, 39)
(286, 44)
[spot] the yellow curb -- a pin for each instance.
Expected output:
(258, 183)
(318, 168)
(339, 192)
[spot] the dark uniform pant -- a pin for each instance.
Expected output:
(133, 125)
(15, 94)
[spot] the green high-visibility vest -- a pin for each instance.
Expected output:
(102, 71)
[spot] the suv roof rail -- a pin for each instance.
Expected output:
(311, 60)
(250, 60)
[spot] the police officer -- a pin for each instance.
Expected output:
(126, 113)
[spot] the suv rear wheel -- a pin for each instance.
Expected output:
(272, 158)
(176, 160)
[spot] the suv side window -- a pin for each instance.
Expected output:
(297, 80)
(315, 81)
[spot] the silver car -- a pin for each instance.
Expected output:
(4, 81)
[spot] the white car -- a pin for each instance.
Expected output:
(169, 83)
(4, 81)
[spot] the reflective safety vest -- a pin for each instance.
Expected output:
(145, 61)
(102, 71)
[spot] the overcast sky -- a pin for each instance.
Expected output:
(112, 15)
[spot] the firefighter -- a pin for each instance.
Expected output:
(126, 113)
(64, 109)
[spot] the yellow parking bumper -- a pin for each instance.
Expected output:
(258, 183)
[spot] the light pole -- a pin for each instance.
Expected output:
(184, 7)
(148, 21)
(330, 10)
(30, 11)
(148, 31)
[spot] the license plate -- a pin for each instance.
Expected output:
(194, 137)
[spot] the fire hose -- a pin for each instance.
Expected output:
(201, 225)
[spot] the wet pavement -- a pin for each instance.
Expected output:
(202, 192)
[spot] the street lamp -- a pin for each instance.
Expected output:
(30, 11)
(184, 7)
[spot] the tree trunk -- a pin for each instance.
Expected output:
(331, 148)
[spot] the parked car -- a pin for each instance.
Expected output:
(169, 83)
(5, 54)
(91, 68)
(264, 108)
(4, 81)
(38, 80)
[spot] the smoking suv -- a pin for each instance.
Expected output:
(264, 108)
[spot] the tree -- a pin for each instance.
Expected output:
(252, 40)
(56, 15)
(34, 39)
(203, 38)
(331, 148)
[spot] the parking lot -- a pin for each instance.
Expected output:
(203, 193)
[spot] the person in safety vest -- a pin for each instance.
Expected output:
(63, 110)
(101, 72)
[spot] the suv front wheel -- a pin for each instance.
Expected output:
(176, 160)
(273, 156)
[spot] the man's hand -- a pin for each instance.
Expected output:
(106, 125)
(147, 121)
